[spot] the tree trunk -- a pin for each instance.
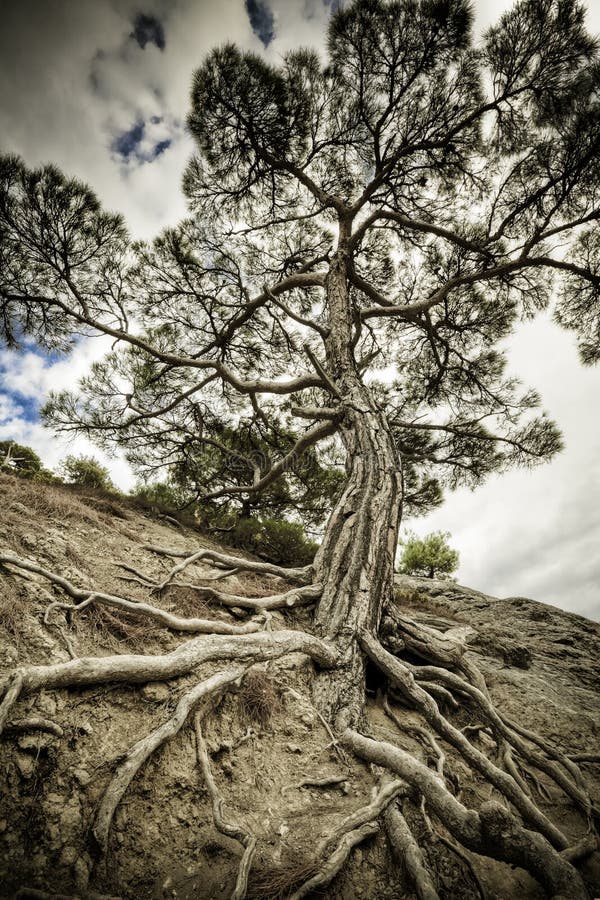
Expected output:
(355, 563)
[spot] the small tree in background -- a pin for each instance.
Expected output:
(19, 459)
(86, 471)
(429, 556)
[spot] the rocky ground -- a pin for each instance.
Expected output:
(272, 757)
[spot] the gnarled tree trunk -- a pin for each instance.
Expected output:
(355, 562)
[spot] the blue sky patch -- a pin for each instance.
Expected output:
(19, 407)
(125, 144)
(261, 20)
(128, 144)
(148, 30)
(160, 148)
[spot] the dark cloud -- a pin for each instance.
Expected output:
(261, 20)
(148, 30)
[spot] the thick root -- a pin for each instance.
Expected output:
(365, 814)
(139, 669)
(334, 863)
(402, 677)
(494, 831)
(300, 596)
(512, 732)
(407, 851)
(12, 692)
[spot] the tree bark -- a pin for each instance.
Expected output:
(355, 563)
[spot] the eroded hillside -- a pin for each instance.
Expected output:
(262, 747)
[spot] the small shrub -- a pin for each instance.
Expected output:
(19, 460)
(110, 627)
(258, 698)
(280, 882)
(159, 494)
(12, 610)
(88, 472)
(277, 540)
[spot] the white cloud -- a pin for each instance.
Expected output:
(536, 533)
(9, 410)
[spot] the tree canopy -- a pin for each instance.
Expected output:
(457, 174)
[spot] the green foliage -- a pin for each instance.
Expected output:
(161, 494)
(277, 540)
(88, 472)
(429, 556)
(19, 459)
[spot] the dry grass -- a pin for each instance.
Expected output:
(111, 627)
(186, 602)
(280, 882)
(44, 500)
(256, 585)
(12, 610)
(258, 698)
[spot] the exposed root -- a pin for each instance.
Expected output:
(536, 843)
(436, 691)
(315, 783)
(365, 814)
(12, 691)
(222, 560)
(334, 863)
(146, 580)
(141, 751)
(228, 828)
(433, 645)
(585, 847)
(407, 851)
(139, 669)
(403, 678)
(493, 831)
(512, 732)
(451, 845)
(439, 648)
(300, 596)
(511, 767)
(549, 749)
(36, 723)
(84, 597)
(422, 733)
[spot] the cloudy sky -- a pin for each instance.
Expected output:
(100, 87)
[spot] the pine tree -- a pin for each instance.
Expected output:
(430, 556)
(400, 208)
